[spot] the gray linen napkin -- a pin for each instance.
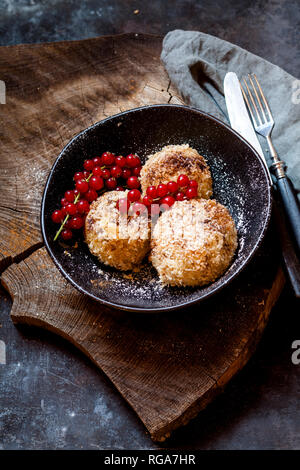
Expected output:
(197, 64)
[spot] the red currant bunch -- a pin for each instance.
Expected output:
(105, 172)
(168, 193)
(163, 194)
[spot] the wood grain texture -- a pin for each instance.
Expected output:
(53, 92)
(168, 366)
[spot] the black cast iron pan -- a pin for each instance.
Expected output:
(240, 183)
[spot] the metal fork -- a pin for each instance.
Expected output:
(263, 123)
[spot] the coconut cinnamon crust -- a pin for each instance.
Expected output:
(172, 161)
(193, 243)
(120, 241)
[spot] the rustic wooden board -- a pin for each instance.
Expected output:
(53, 92)
(167, 366)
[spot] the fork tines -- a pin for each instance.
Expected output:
(256, 102)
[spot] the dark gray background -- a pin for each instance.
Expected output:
(269, 28)
(51, 396)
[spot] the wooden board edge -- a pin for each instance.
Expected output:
(131, 35)
(163, 433)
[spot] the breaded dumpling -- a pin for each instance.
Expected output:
(172, 161)
(193, 243)
(117, 239)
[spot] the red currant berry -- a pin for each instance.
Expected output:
(86, 174)
(172, 187)
(185, 198)
(179, 196)
(97, 161)
(88, 165)
(57, 216)
(76, 192)
(96, 182)
(78, 176)
(105, 173)
(137, 208)
(136, 170)
(77, 222)
(64, 211)
(64, 201)
(116, 171)
(71, 209)
(120, 161)
(152, 192)
(193, 184)
(133, 182)
(91, 195)
(83, 206)
(69, 195)
(163, 205)
(183, 181)
(126, 173)
(162, 190)
(82, 186)
(169, 200)
(108, 158)
(137, 161)
(97, 171)
(123, 205)
(119, 188)
(147, 200)
(132, 160)
(111, 183)
(191, 192)
(66, 234)
(134, 195)
(68, 224)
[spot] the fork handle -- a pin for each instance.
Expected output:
(291, 205)
(290, 258)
